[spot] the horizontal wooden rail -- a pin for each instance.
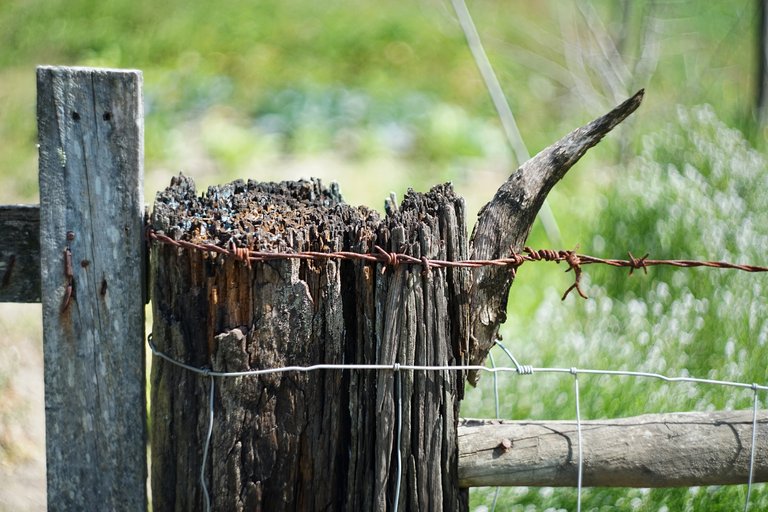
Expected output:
(653, 450)
(20, 253)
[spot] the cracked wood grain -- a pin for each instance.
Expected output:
(504, 223)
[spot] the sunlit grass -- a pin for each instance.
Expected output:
(695, 191)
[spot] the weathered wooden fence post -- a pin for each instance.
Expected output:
(306, 441)
(327, 440)
(91, 256)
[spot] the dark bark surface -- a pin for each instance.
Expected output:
(324, 440)
(20, 253)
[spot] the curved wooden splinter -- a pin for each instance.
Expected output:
(504, 223)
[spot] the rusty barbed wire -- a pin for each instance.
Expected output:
(513, 261)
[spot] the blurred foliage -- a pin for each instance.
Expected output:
(695, 190)
(297, 77)
(382, 97)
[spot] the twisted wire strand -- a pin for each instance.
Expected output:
(513, 261)
(752, 448)
(580, 470)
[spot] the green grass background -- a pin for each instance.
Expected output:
(385, 96)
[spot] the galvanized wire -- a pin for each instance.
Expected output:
(399, 432)
(752, 448)
(208, 435)
(396, 368)
(498, 415)
(575, 373)
(459, 368)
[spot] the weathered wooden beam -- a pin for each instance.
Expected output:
(327, 441)
(20, 253)
(504, 223)
(653, 450)
(91, 259)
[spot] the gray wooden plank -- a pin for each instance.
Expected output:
(20, 253)
(91, 171)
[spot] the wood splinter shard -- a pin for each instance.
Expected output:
(506, 220)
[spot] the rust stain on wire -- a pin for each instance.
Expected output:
(574, 260)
